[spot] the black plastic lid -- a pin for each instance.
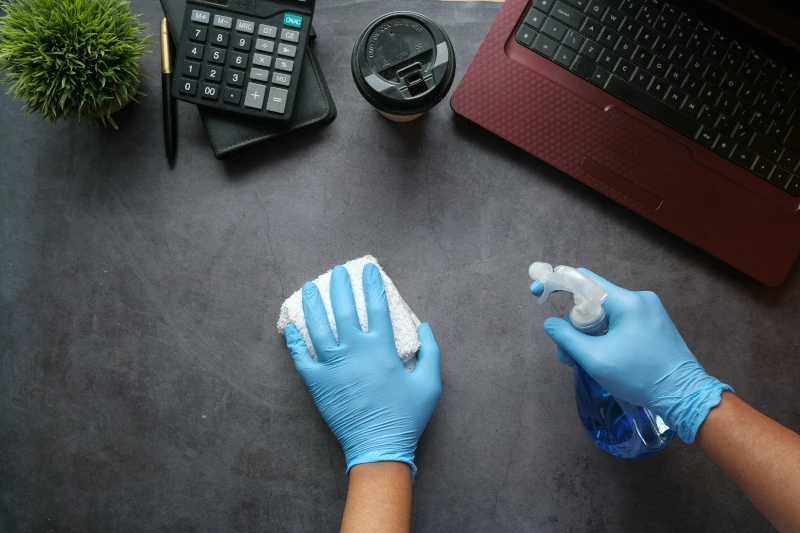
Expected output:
(403, 63)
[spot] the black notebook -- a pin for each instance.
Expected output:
(230, 133)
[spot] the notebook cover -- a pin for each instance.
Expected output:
(230, 133)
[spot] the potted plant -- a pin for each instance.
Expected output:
(71, 58)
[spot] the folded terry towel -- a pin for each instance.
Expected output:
(404, 321)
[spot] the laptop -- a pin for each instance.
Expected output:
(687, 113)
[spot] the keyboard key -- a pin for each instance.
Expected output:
(749, 72)
(591, 49)
(653, 107)
(262, 61)
(766, 147)
(213, 73)
(689, 20)
(676, 76)
(259, 74)
(766, 102)
(793, 187)
(766, 82)
(216, 55)
(738, 48)
(726, 126)
(190, 69)
(293, 36)
(714, 53)
(592, 28)
(609, 38)
(707, 137)
(664, 25)
(573, 39)
(568, 15)
(564, 56)
(724, 147)
(727, 104)
(188, 87)
(631, 7)
(748, 94)
(757, 58)
(195, 51)
(285, 65)
(543, 5)
(277, 100)
(763, 168)
(222, 21)
(693, 86)
(743, 135)
(641, 78)
(642, 56)
(245, 26)
(710, 94)
(267, 31)
(789, 160)
(760, 122)
(625, 69)
(554, 29)
(596, 9)
(681, 56)
(783, 113)
(295, 21)
(659, 67)
(630, 28)
(697, 67)
(647, 37)
(613, 18)
(790, 75)
(545, 46)
(238, 60)
(210, 91)
(692, 106)
(783, 89)
(580, 4)
(681, 35)
(732, 84)
(698, 44)
(584, 67)
(234, 77)
(663, 47)
(600, 76)
(525, 35)
(197, 33)
(254, 96)
(675, 97)
(232, 96)
(266, 46)
(714, 74)
(608, 59)
(220, 38)
(279, 78)
(780, 177)
(733, 62)
(200, 16)
(709, 116)
(671, 11)
(744, 157)
(658, 88)
(647, 15)
(625, 47)
(242, 42)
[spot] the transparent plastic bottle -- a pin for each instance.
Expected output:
(623, 430)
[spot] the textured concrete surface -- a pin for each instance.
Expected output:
(143, 386)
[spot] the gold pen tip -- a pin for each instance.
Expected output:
(166, 66)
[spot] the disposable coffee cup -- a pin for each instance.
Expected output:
(403, 64)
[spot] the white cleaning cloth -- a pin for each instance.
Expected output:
(404, 321)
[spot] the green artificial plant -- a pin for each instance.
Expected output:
(71, 58)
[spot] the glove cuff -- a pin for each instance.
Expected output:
(382, 457)
(688, 414)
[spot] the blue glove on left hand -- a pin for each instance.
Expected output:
(375, 408)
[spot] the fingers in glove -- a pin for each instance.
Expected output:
(344, 305)
(380, 322)
(319, 329)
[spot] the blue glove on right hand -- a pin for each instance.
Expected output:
(642, 359)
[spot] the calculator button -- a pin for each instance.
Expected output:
(238, 60)
(188, 86)
(277, 100)
(245, 26)
(216, 55)
(258, 74)
(200, 16)
(295, 21)
(234, 77)
(260, 60)
(232, 96)
(290, 35)
(223, 22)
(267, 31)
(281, 79)
(213, 73)
(220, 38)
(198, 33)
(190, 69)
(242, 42)
(255, 95)
(210, 91)
(264, 45)
(284, 64)
(195, 51)
(287, 50)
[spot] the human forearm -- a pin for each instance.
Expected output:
(760, 455)
(378, 499)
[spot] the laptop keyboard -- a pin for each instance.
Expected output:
(703, 83)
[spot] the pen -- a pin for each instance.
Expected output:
(169, 106)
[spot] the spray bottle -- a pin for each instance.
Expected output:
(621, 429)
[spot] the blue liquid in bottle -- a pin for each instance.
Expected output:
(621, 429)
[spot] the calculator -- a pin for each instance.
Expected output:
(243, 56)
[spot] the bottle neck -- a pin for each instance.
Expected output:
(594, 328)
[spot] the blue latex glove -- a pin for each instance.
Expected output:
(642, 359)
(375, 408)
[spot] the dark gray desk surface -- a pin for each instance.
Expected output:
(145, 387)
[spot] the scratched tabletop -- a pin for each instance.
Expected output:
(144, 386)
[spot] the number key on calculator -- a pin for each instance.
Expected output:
(244, 58)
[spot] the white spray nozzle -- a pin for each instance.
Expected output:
(588, 294)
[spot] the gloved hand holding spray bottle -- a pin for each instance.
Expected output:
(618, 427)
